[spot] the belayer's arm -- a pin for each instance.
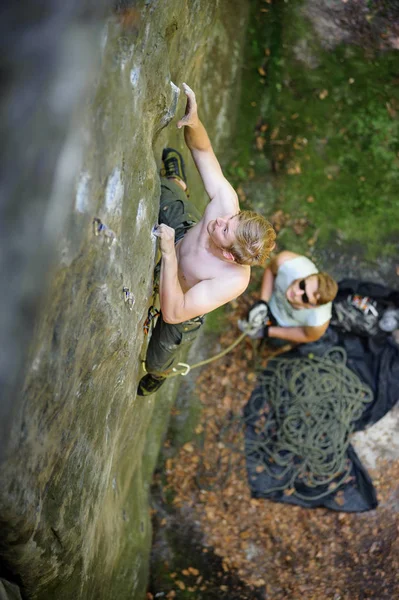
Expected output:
(300, 335)
(271, 271)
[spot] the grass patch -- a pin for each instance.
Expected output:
(330, 128)
(216, 321)
(334, 137)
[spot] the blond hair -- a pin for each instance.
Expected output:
(327, 288)
(254, 239)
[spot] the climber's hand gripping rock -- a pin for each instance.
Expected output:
(191, 116)
(166, 237)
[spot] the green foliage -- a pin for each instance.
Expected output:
(338, 125)
(332, 135)
(216, 321)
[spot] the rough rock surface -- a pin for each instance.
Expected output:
(81, 447)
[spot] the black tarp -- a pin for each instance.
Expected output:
(376, 362)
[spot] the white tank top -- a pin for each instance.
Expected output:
(285, 314)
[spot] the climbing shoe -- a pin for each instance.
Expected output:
(173, 165)
(149, 384)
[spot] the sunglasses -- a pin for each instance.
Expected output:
(305, 297)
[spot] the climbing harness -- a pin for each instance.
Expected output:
(151, 315)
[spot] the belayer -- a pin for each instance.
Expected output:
(205, 262)
(295, 302)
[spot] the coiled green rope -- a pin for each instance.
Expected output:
(301, 415)
(311, 406)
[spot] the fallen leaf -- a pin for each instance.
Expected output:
(227, 402)
(244, 535)
(240, 192)
(391, 111)
(260, 142)
(299, 225)
(294, 169)
(340, 498)
(274, 133)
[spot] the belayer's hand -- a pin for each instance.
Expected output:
(190, 119)
(257, 315)
(255, 325)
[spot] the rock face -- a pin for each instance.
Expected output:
(80, 446)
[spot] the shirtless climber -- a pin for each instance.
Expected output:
(205, 261)
(295, 302)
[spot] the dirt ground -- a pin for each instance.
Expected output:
(280, 551)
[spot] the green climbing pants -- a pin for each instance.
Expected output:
(168, 341)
